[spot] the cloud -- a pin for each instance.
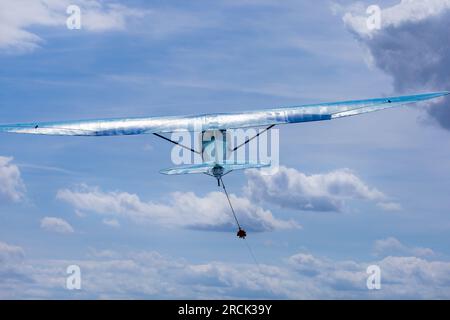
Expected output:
(187, 210)
(306, 263)
(11, 270)
(111, 222)
(150, 274)
(389, 206)
(113, 16)
(10, 253)
(416, 272)
(11, 184)
(292, 189)
(401, 277)
(339, 277)
(392, 246)
(57, 225)
(17, 18)
(407, 11)
(411, 47)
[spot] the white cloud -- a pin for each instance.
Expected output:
(411, 47)
(413, 271)
(149, 274)
(407, 11)
(111, 222)
(57, 225)
(11, 184)
(340, 277)
(113, 16)
(306, 263)
(389, 206)
(187, 210)
(401, 277)
(392, 246)
(318, 192)
(18, 17)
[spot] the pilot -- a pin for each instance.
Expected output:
(241, 233)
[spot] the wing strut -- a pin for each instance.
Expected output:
(177, 143)
(256, 136)
(198, 152)
(241, 232)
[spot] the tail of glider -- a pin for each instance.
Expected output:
(212, 168)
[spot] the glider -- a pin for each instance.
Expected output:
(216, 123)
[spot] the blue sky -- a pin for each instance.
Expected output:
(152, 58)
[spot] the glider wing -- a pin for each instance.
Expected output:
(268, 117)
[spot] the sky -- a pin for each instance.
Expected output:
(350, 193)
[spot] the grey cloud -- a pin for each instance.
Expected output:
(412, 47)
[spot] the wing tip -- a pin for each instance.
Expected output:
(428, 96)
(439, 94)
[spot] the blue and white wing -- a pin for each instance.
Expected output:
(276, 116)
